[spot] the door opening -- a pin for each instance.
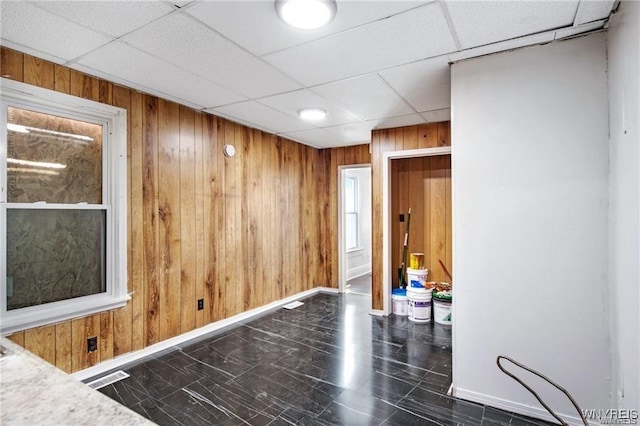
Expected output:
(354, 229)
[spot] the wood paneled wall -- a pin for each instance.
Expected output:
(343, 156)
(399, 139)
(424, 184)
(237, 232)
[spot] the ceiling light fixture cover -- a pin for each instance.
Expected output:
(306, 14)
(313, 114)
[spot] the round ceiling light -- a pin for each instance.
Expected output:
(306, 14)
(313, 114)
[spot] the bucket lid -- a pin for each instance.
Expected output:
(445, 297)
(399, 292)
(417, 271)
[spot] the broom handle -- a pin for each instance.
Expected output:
(403, 266)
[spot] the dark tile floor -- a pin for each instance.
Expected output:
(327, 362)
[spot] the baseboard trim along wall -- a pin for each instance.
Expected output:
(119, 361)
(515, 407)
(359, 271)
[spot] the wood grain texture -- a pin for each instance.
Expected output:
(12, 64)
(237, 232)
(425, 184)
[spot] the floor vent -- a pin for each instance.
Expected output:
(293, 305)
(108, 379)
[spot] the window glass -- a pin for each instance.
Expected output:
(352, 230)
(54, 254)
(52, 159)
(350, 194)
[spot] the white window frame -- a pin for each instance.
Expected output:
(356, 205)
(114, 202)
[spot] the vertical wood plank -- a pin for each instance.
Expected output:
(200, 229)
(217, 232)
(17, 338)
(150, 221)
(448, 216)
(122, 321)
(38, 72)
(84, 86)
(426, 218)
(438, 220)
(136, 233)
(63, 346)
(169, 214)
(187, 219)
(41, 341)
(105, 340)
(11, 64)
(81, 330)
(62, 79)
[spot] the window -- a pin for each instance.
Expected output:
(352, 233)
(62, 207)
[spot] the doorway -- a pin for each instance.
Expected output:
(354, 229)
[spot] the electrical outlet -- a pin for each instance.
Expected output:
(401, 217)
(200, 304)
(92, 344)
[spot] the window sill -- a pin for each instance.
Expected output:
(355, 249)
(40, 315)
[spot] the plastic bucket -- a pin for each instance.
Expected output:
(442, 311)
(400, 302)
(416, 261)
(416, 278)
(419, 304)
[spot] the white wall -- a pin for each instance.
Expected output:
(359, 261)
(623, 41)
(530, 188)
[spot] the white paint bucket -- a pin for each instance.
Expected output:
(442, 311)
(416, 278)
(419, 304)
(400, 302)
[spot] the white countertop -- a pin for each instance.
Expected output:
(33, 392)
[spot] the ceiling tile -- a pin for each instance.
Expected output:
(269, 34)
(482, 22)
(400, 121)
(292, 102)
(503, 46)
(318, 138)
(416, 34)
(27, 25)
(262, 116)
(353, 133)
(426, 85)
(593, 10)
(158, 77)
(437, 115)
(188, 44)
(367, 97)
(114, 18)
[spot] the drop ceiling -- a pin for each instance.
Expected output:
(379, 64)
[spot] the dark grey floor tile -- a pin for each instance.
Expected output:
(327, 362)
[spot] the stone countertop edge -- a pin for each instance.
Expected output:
(33, 391)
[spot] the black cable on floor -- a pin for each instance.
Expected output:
(548, 380)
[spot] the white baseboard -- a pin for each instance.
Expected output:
(516, 407)
(377, 313)
(121, 360)
(358, 271)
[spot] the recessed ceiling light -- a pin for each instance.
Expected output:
(313, 114)
(306, 14)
